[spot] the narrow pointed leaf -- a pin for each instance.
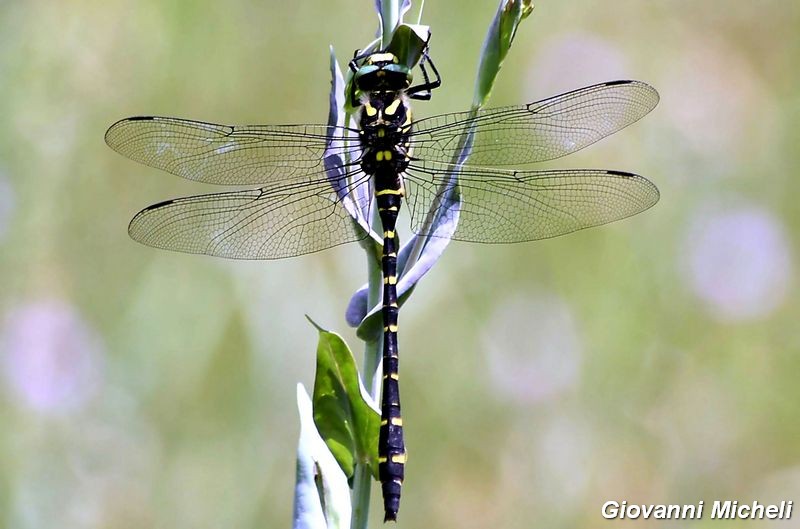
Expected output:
(336, 153)
(496, 45)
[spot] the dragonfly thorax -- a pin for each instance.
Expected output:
(385, 123)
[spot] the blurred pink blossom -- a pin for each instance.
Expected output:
(738, 262)
(50, 357)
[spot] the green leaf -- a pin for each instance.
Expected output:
(496, 45)
(408, 43)
(343, 412)
(321, 493)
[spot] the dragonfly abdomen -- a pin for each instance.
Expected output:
(391, 448)
(385, 127)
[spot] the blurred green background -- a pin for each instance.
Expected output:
(654, 360)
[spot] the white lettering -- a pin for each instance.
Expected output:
(722, 509)
(610, 510)
(743, 511)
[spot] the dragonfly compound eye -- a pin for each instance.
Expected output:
(383, 75)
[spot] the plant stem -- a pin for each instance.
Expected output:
(362, 484)
(362, 480)
(390, 11)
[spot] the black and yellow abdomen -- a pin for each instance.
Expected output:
(385, 124)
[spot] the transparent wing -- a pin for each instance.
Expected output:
(538, 131)
(251, 224)
(228, 155)
(505, 206)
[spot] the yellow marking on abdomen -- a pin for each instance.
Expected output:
(379, 156)
(391, 280)
(382, 459)
(390, 328)
(390, 192)
(396, 421)
(388, 234)
(399, 458)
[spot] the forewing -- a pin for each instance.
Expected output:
(251, 224)
(504, 206)
(227, 155)
(538, 131)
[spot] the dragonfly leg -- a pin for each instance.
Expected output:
(357, 56)
(423, 91)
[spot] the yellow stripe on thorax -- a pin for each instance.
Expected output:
(392, 108)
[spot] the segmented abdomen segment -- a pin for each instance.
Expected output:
(391, 448)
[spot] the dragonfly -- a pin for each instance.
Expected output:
(301, 202)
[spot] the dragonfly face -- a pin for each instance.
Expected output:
(382, 72)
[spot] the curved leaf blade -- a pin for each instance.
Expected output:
(343, 413)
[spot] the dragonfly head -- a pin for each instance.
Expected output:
(382, 72)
